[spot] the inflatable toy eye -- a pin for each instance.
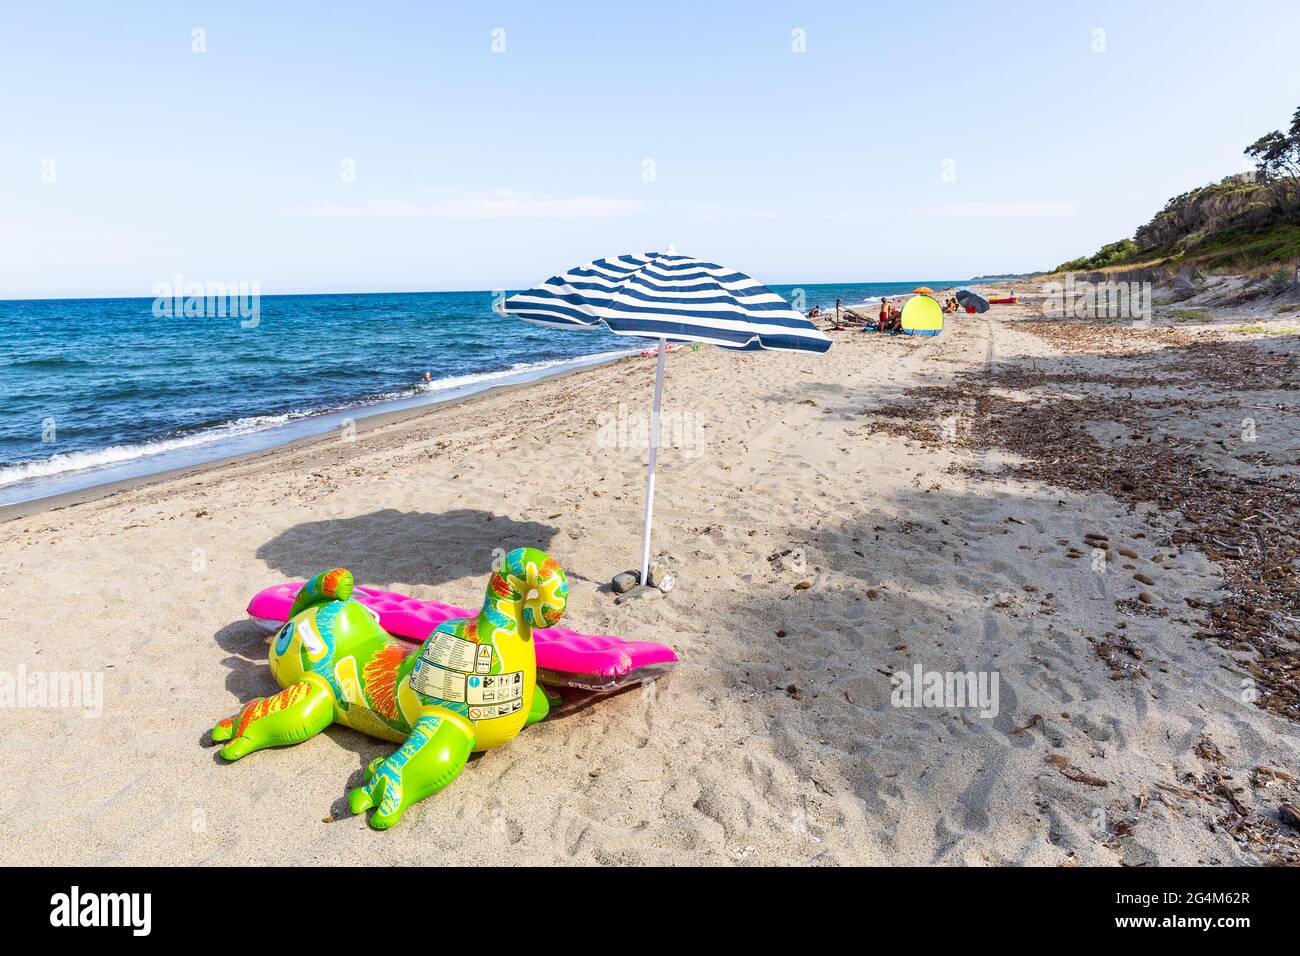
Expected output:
(282, 640)
(311, 639)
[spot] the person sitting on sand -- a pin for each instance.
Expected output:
(816, 311)
(890, 317)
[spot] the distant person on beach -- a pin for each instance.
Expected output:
(888, 317)
(816, 311)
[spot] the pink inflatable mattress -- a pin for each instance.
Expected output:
(565, 658)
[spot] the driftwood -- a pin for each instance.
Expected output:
(850, 319)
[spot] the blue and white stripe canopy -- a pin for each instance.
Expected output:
(678, 298)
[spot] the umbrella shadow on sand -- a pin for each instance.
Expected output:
(388, 547)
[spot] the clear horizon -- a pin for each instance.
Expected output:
(485, 292)
(403, 148)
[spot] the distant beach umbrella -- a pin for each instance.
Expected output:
(971, 300)
(671, 298)
(923, 290)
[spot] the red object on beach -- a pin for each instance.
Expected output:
(1008, 300)
(970, 310)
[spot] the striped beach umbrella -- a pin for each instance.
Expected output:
(671, 298)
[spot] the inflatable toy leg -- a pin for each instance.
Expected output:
(432, 756)
(298, 712)
(541, 707)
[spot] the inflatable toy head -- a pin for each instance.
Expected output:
(535, 583)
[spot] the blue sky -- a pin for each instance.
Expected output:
(606, 128)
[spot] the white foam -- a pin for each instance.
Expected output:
(64, 462)
(115, 457)
(460, 381)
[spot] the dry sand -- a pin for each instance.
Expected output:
(1121, 736)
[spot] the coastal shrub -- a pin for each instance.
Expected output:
(1109, 254)
(1277, 160)
(1239, 223)
(1265, 330)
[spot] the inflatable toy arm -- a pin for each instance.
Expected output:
(432, 757)
(298, 712)
(335, 585)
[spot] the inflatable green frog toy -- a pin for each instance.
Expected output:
(471, 686)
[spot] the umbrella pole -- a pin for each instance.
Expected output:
(654, 455)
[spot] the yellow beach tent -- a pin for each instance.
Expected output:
(922, 315)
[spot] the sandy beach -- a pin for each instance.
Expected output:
(1103, 517)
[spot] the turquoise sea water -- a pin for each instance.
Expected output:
(98, 390)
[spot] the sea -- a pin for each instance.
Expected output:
(94, 391)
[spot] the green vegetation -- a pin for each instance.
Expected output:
(1243, 223)
(1240, 249)
(1277, 157)
(1193, 315)
(1265, 330)
(1235, 249)
(1107, 255)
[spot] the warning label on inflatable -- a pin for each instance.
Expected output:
(489, 711)
(433, 681)
(451, 652)
(495, 688)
